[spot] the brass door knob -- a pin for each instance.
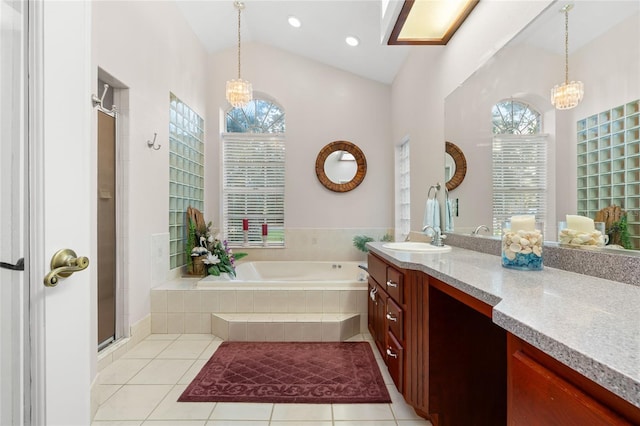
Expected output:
(64, 263)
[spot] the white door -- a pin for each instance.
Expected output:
(61, 178)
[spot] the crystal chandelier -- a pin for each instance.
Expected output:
(239, 92)
(569, 94)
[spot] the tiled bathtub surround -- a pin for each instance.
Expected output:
(618, 265)
(180, 307)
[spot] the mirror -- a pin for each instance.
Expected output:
(455, 166)
(525, 70)
(341, 166)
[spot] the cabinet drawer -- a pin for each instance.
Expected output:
(377, 269)
(395, 319)
(395, 360)
(395, 284)
(537, 395)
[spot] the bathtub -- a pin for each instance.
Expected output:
(307, 275)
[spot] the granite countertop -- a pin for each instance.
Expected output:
(589, 324)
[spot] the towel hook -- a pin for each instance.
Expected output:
(152, 144)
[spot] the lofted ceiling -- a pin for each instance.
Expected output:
(325, 25)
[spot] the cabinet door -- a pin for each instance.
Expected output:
(395, 360)
(380, 320)
(371, 306)
(538, 396)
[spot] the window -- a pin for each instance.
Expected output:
(519, 155)
(254, 173)
(186, 173)
(403, 196)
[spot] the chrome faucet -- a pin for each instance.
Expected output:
(479, 228)
(437, 236)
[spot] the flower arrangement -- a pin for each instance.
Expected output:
(214, 253)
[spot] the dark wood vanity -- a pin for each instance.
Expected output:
(455, 366)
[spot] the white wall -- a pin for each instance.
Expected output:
(322, 104)
(149, 48)
(430, 74)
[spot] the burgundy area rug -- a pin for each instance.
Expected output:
(289, 372)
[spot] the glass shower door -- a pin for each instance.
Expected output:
(14, 302)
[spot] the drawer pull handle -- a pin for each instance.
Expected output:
(391, 353)
(372, 295)
(391, 317)
(391, 284)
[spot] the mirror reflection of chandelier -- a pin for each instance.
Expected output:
(569, 94)
(239, 91)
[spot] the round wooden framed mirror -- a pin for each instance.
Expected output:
(341, 166)
(457, 165)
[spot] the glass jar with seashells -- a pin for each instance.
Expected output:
(522, 243)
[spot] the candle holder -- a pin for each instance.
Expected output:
(571, 237)
(522, 249)
(246, 238)
(264, 240)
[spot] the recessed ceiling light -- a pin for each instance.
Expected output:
(352, 41)
(294, 22)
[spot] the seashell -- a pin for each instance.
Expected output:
(526, 250)
(537, 251)
(515, 247)
(524, 242)
(510, 255)
(515, 238)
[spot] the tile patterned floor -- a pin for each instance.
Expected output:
(142, 388)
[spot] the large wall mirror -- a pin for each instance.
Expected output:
(601, 33)
(341, 166)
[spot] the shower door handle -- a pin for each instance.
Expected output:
(64, 263)
(19, 266)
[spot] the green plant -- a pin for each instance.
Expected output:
(619, 233)
(360, 241)
(191, 242)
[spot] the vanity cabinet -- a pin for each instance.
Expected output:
(386, 323)
(541, 390)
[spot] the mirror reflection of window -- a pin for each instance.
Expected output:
(340, 167)
(449, 167)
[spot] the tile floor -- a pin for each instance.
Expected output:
(142, 387)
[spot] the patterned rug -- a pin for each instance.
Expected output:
(289, 372)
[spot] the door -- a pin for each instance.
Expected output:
(106, 261)
(62, 196)
(13, 288)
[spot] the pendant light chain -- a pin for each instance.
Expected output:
(239, 5)
(566, 46)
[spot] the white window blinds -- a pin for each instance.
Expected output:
(519, 177)
(253, 186)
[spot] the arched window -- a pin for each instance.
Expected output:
(253, 165)
(515, 118)
(519, 153)
(258, 116)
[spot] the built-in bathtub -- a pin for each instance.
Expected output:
(267, 301)
(305, 275)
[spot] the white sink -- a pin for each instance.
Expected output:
(416, 247)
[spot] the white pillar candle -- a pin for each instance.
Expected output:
(580, 223)
(525, 222)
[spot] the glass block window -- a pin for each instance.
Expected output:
(609, 164)
(519, 161)
(254, 173)
(515, 118)
(403, 191)
(186, 174)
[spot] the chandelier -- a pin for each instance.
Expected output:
(569, 94)
(239, 92)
